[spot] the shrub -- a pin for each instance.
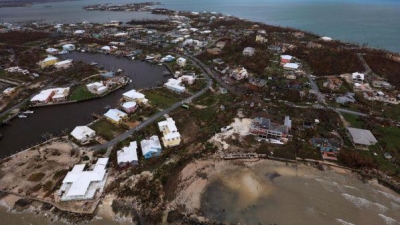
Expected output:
(36, 177)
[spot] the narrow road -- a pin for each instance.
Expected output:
(361, 58)
(314, 86)
(154, 117)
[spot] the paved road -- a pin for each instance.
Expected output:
(154, 117)
(314, 86)
(361, 58)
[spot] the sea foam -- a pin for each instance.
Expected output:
(388, 220)
(343, 222)
(390, 196)
(364, 203)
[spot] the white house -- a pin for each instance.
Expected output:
(9, 91)
(168, 58)
(54, 94)
(325, 38)
(181, 62)
(133, 95)
(128, 155)
(151, 147)
(52, 51)
(248, 51)
(115, 115)
(83, 185)
(291, 66)
(63, 64)
(121, 34)
(171, 136)
(129, 107)
(79, 32)
(358, 77)
(68, 47)
(239, 73)
(97, 88)
(106, 48)
(83, 134)
(175, 85)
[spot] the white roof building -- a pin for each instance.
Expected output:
(52, 50)
(286, 57)
(121, 34)
(128, 154)
(133, 95)
(83, 134)
(83, 185)
(106, 48)
(181, 61)
(77, 32)
(97, 88)
(63, 64)
(168, 124)
(175, 85)
(358, 77)
(68, 47)
(361, 137)
(248, 51)
(115, 115)
(48, 94)
(171, 136)
(291, 66)
(151, 146)
(326, 38)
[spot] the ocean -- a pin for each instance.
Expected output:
(375, 23)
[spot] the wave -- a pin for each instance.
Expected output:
(394, 206)
(350, 187)
(326, 183)
(390, 196)
(342, 222)
(364, 203)
(388, 220)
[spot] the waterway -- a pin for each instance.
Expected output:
(23, 133)
(372, 22)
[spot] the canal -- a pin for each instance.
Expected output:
(23, 133)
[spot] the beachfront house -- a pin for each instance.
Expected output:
(97, 88)
(135, 96)
(81, 184)
(63, 64)
(171, 136)
(151, 147)
(181, 62)
(48, 61)
(83, 134)
(115, 116)
(175, 85)
(328, 147)
(128, 155)
(129, 107)
(264, 128)
(361, 138)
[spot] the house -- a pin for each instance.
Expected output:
(79, 32)
(220, 44)
(328, 147)
(326, 38)
(333, 83)
(358, 77)
(175, 85)
(83, 134)
(361, 138)
(381, 84)
(135, 96)
(48, 61)
(83, 185)
(106, 49)
(115, 115)
(121, 34)
(286, 59)
(189, 79)
(129, 107)
(171, 136)
(97, 88)
(54, 94)
(248, 51)
(151, 147)
(348, 98)
(181, 62)
(264, 128)
(168, 58)
(9, 91)
(128, 155)
(52, 51)
(239, 73)
(214, 51)
(261, 39)
(63, 64)
(68, 47)
(291, 66)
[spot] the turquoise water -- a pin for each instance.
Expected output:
(372, 22)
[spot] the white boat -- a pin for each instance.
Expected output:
(22, 116)
(28, 112)
(93, 63)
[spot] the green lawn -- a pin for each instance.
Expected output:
(161, 98)
(353, 120)
(391, 136)
(106, 129)
(80, 93)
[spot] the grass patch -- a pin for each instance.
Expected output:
(106, 129)
(80, 93)
(353, 120)
(161, 98)
(60, 173)
(36, 177)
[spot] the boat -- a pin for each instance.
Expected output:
(28, 112)
(93, 63)
(22, 116)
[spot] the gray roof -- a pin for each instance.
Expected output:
(361, 136)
